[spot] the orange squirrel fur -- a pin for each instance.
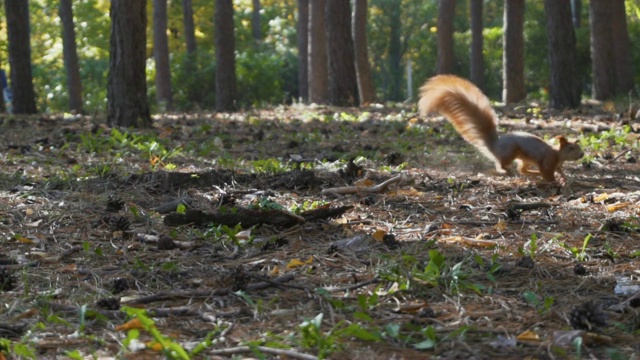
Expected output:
(471, 114)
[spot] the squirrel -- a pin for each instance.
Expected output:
(471, 114)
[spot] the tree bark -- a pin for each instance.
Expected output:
(70, 55)
(127, 85)
(602, 50)
(562, 54)
(191, 61)
(477, 56)
(318, 58)
(161, 54)
(446, 14)
(256, 30)
(343, 83)
(225, 56)
(189, 27)
(24, 98)
(366, 90)
(621, 47)
(513, 52)
(303, 49)
(393, 80)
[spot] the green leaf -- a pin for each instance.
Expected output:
(358, 315)
(425, 345)
(181, 209)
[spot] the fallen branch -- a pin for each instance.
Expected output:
(267, 350)
(234, 216)
(619, 155)
(373, 280)
(382, 187)
(168, 296)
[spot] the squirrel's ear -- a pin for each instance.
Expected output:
(562, 140)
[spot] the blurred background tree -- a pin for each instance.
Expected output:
(400, 34)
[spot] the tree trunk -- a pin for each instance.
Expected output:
(343, 83)
(127, 85)
(394, 75)
(446, 14)
(513, 52)
(621, 47)
(161, 54)
(562, 54)
(189, 27)
(477, 57)
(225, 56)
(70, 55)
(602, 50)
(318, 61)
(4, 84)
(191, 61)
(363, 68)
(256, 30)
(24, 98)
(303, 49)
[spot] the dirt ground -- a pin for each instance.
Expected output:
(242, 236)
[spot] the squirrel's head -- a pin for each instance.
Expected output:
(569, 150)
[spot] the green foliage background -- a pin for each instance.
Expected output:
(268, 71)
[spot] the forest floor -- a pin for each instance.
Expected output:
(127, 244)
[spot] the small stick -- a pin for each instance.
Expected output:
(281, 352)
(362, 189)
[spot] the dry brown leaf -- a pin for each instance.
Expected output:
(469, 241)
(296, 263)
(26, 315)
(528, 336)
(364, 182)
(600, 197)
(618, 206)
(501, 225)
(129, 325)
(23, 239)
(154, 345)
(445, 229)
(411, 308)
(409, 192)
(378, 235)
(71, 268)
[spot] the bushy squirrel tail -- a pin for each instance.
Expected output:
(466, 108)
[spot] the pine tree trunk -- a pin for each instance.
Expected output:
(303, 49)
(513, 52)
(621, 48)
(446, 15)
(477, 57)
(127, 85)
(161, 54)
(189, 27)
(225, 56)
(318, 58)
(191, 61)
(393, 79)
(343, 84)
(562, 54)
(363, 68)
(24, 98)
(602, 50)
(70, 55)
